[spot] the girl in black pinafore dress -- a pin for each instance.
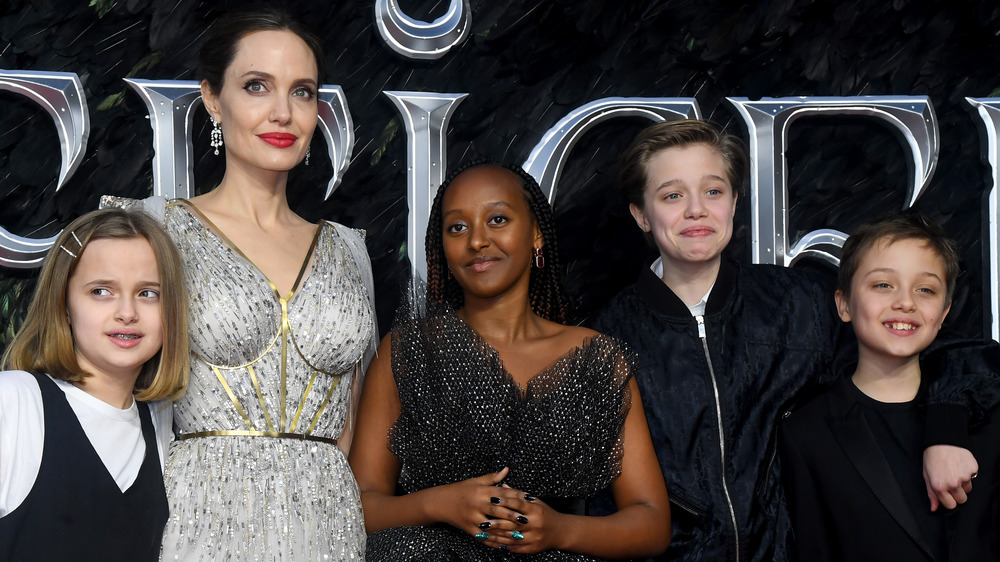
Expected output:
(80, 456)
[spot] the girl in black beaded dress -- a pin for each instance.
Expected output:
(501, 420)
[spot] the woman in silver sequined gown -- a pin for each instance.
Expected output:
(281, 323)
(497, 422)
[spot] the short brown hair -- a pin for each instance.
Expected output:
(656, 138)
(45, 342)
(891, 229)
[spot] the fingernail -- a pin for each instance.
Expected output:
(482, 536)
(530, 498)
(522, 519)
(484, 525)
(494, 500)
(516, 535)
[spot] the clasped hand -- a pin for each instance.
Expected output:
(500, 516)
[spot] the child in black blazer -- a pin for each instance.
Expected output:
(851, 457)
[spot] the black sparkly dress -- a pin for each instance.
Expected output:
(464, 416)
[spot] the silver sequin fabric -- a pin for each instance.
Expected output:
(463, 416)
(264, 363)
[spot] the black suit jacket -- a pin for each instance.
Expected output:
(845, 501)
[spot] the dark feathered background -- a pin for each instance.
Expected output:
(525, 65)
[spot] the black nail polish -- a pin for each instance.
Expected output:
(522, 519)
(484, 525)
(494, 500)
(530, 498)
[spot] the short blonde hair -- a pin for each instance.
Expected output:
(45, 342)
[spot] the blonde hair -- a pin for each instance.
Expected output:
(45, 341)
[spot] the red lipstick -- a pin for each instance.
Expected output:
(280, 140)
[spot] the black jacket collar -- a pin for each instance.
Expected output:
(849, 428)
(661, 299)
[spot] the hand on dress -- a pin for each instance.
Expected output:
(466, 504)
(948, 474)
(522, 523)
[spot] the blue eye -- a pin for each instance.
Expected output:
(254, 86)
(306, 93)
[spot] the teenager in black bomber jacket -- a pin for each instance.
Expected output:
(724, 349)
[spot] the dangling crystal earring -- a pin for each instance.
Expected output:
(216, 136)
(308, 152)
(539, 258)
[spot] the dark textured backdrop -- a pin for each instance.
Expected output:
(526, 64)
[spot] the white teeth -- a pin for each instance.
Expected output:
(900, 326)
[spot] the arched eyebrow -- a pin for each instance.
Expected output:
(270, 78)
(503, 204)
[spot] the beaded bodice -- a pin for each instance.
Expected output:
(463, 415)
(262, 361)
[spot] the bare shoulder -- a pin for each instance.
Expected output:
(568, 337)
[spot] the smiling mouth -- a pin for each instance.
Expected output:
(900, 326)
(482, 264)
(697, 232)
(280, 140)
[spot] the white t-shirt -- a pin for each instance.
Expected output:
(697, 309)
(115, 434)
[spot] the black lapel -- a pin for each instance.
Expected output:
(849, 428)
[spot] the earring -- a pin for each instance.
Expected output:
(539, 259)
(216, 136)
(308, 153)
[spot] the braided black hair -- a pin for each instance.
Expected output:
(545, 286)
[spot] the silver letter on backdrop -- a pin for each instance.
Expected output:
(421, 40)
(171, 105)
(768, 119)
(425, 116)
(545, 163)
(337, 127)
(61, 95)
(988, 111)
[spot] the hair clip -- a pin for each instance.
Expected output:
(63, 248)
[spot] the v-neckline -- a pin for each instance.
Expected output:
(108, 476)
(195, 212)
(524, 391)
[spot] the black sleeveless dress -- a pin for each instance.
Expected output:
(463, 416)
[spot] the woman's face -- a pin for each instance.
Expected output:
(489, 232)
(267, 107)
(688, 205)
